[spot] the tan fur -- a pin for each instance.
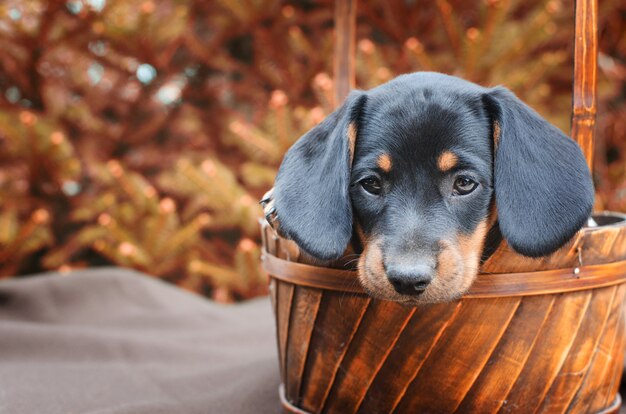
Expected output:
(447, 261)
(446, 285)
(384, 162)
(375, 262)
(493, 215)
(457, 267)
(360, 233)
(372, 273)
(447, 160)
(351, 139)
(471, 247)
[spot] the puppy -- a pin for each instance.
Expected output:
(417, 172)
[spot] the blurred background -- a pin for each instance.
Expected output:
(141, 133)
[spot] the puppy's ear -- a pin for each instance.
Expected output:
(543, 187)
(311, 190)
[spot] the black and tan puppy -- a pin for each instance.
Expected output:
(411, 171)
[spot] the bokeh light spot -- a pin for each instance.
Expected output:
(97, 5)
(169, 93)
(71, 188)
(146, 73)
(74, 6)
(13, 94)
(191, 71)
(95, 72)
(15, 14)
(98, 48)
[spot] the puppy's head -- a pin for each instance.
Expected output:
(414, 167)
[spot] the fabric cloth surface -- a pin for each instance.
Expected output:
(111, 340)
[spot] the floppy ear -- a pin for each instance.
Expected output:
(311, 189)
(543, 187)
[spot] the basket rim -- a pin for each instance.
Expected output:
(621, 222)
(486, 285)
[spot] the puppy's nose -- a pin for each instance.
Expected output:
(410, 280)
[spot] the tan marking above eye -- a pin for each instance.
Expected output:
(384, 162)
(351, 139)
(447, 160)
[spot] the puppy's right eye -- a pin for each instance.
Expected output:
(371, 185)
(464, 185)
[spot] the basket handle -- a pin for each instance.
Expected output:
(585, 67)
(344, 50)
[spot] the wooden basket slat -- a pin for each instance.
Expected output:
(425, 327)
(604, 246)
(616, 356)
(614, 375)
(593, 377)
(304, 313)
(269, 240)
(283, 250)
(264, 235)
(617, 347)
(338, 319)
(620, 357)
(580, 355)
(509, 358)
(557, 333)
(273, 287)
(378, 332)
(288, 250)
(284, 297)
(618, 364)
(462, 351)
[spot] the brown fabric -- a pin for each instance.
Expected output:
(116, 341)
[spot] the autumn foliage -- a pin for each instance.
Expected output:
(141, 133)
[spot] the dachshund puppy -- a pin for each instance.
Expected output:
(418, 172)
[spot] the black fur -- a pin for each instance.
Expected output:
(311, 189)
(544, 192)
(543, 189)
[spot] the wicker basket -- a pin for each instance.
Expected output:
(531, 336)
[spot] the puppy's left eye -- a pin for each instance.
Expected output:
(464, 185)
(371, 185)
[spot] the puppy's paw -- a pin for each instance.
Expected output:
(269, 210)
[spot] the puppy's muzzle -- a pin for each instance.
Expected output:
(410, 280)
